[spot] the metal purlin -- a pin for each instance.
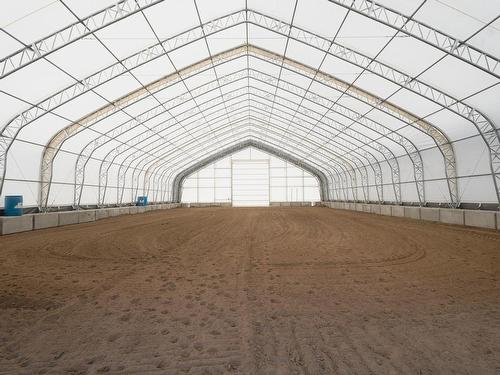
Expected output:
(262, 120)
(195, 89)
(242, 137)
(345, 166)
(260, 132)
(237, 139)
(243, 121)
(104, 140)
(139, 138)
(56, 142)
(302, 31)
(496, 137)
(398, 139)
(235, 121)
(122, 173)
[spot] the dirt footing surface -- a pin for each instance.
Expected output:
(251, 291)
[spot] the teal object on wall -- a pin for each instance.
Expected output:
(142, 200)
(13, 205)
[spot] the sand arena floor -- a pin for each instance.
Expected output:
(251, 291)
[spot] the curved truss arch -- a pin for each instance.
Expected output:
(370, 148)
(104, 112)
(351, 135)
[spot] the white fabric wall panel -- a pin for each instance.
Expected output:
(250, 183)
(286, 182)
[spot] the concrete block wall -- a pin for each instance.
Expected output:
(386, 210)
(451, 216)
(86, 216)
(412, 212)
(473, 218)
(47, 220)
(429, 214)
(68, 217)
(482, 219)
(16, 224)
(398, 211)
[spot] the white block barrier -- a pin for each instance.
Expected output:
(386, 210)
(429, 214)
(398, 211)
(101, 213)
(481, 219)
(124, 210)
(86, 216)
(114, 211)
(68, 217)
(475, 218)
(412, 212)
(451, 216)
(46, 220)
(15, 224)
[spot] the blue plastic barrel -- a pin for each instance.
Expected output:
(142, 200)
(13, 205)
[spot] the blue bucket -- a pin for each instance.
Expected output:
(142, 200)
(13, 205)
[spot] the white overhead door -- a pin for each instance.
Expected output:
(250, 183)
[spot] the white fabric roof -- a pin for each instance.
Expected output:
(394, 101)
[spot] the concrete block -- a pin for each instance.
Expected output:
(141, 209)
(375, 209)
(86, 216)
(429, 213)
(15, 224)
(385, 209)
(101, 213)
(133, 210)
(481, 219)
(68, 217)
(358, 207)
(46, 220)
(114, 211)
(398, 211)
(366, 208)
(124, 210)
(498, 220)
(412, 212)
(451, 216)
(147, 208)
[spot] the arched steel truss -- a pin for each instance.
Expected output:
(180, 177)
(269, 57)
(349, 158)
